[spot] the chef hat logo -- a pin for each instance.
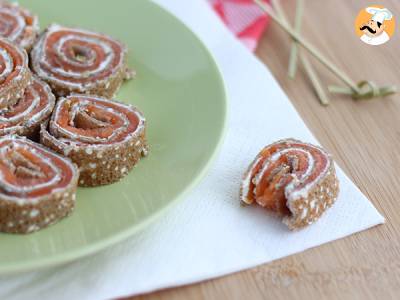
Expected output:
(375, 25)
(379, 14)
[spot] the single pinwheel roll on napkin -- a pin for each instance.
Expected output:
(293, 179)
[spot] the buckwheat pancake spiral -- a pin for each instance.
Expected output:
(293, 179)
(15, 75)
(18, 24)
(31, 110)
(37, 186)
(104, 138)
(79, 61)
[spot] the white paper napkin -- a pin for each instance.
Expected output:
(208, 234)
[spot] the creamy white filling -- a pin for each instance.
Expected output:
(8, 62)
(25, 118)
(59, 45)
(277, 155)
(21, 190)
(69, 141)
(247, 181)
(105, 64)
(16, 31)
(23, 114)
(57, 130)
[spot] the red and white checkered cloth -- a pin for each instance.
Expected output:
(244, 18)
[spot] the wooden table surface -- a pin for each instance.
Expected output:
(364, 138)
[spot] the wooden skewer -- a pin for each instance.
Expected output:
(364, 90)
(309, 47)
(295, 48)
(312, 75)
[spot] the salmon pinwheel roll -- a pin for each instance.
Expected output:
(15, 75)
(18, 24)
(80, 61)
(37, 186)
(104, 138)
(293, 179)
(30, 111)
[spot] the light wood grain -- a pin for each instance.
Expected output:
(364, 137)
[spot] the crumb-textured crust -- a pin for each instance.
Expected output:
(12, 88)
(27, 123)
(27, 23)
(104, 162)
(306, 211)
(20, 215)
(104, 82)
(31, 217)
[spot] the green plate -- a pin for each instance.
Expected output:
(180, 91)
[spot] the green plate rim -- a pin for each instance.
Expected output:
(63, 258)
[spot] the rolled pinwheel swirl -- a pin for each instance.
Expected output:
(80, 61)
(293, 179)
(33, 109)
(15, 75)
(37, 186)
(18, 24)
(104, 138)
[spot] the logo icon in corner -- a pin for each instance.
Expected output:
(375, 25)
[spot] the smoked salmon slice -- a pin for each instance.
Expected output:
(79, 61)
(104, 138)
(33, 109)
(293, 179)
(18, 24)
(15, 75)
(37, 187)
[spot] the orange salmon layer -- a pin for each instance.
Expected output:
(15, 75)
(33, 109)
